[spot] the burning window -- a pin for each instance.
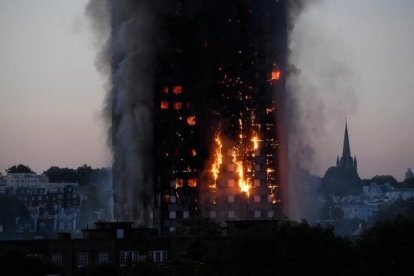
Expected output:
(177, 90)
(164, 105)
(192, 182)
(178, 105)
(179, 183)
(193, 152)
(275, 75)
(165, 90)
(191, 120)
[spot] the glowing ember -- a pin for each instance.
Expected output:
(218, 160)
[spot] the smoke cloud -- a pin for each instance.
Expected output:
(126, 30)
(320, 94)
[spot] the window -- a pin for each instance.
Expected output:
(186, 214)
(177, 90)
(103, 257)
(173, 199)
(191, 120)
(230, 183)
(165, 90)
(179, 183)
(159, 256)
(61, 226)
(257, 198)
(192, 182)
(178, 105)
(213, 214)
(257, 183)
(164, 105)
(57, 258)
(173, 215)
(232, 214)
(230, 198)
(128, 257)
(82, 259)
(257, 214)
(270, 214)
(119, 233)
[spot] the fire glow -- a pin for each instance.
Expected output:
(275, 75)
(218, 160)
(244, 182)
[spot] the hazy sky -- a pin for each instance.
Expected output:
(51, 95)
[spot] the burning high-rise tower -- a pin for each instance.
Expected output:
(196, 97)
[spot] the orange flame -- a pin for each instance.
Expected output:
(191, 120)
(218, 160)
(243, 182)
(192, 182)
(177, 89)
(179, 183)
(164, 105)
(255, 140)
(275, 75)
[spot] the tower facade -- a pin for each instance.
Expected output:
(218, 72)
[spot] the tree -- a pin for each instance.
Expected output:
(383, 179)
(386, 248)
(19, 169)
(60, 175)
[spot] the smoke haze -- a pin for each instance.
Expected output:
(320, 93)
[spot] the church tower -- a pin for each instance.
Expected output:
(346, 161)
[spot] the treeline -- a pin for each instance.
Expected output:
(383, 179)
(83, 175)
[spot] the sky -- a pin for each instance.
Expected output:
(356, 59)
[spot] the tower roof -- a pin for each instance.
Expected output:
(346, 153)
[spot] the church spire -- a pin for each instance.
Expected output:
(346, 160)
(346, 153)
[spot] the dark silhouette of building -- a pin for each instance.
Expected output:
(118, 244)
(343, 179)
(346, 160)
(217, 81)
